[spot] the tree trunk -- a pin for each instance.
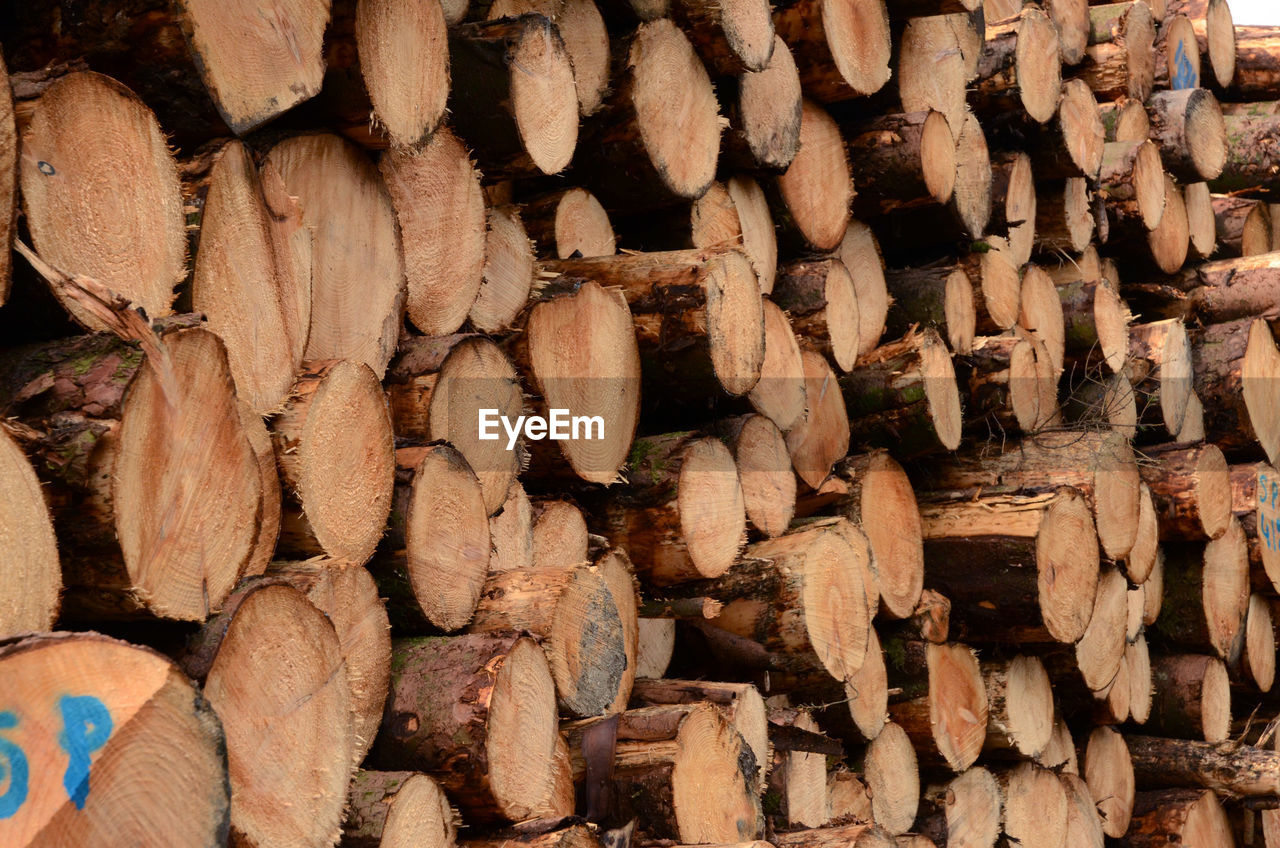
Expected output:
(1184, 816)
(1018, 70)
(966, 812)
(114, 211)
(940, 297)
(438, 545)
(1121, 58)
(764, 469)
(682, 516)
(631, 155)
(273, 670)
(595, 376)
(683, 773)
(904, 160)
(1207, 598)
(1257, 71)
(797, 777)
(814, 576)
(878, 497)
(348, 596)
(121, 436)
(438, 388)
(905, 392)
(1192, 698)
(1190, 130)
(397, 809)
(435, 192)
(31, 571)
(812, 197)
(1252, 161)
(252, 274)
(700, 303)
(821, 301)
(512, 95)
(1020, 716)
(336, 184)
(1229, 768)
(562, 223)
(840, 54)
(1042, 547)
(763, 108)
(1012, 385)
(1191, 489)
(478, 714)
(948, 724)
(1036, 806)
(1177, 54)
(335, 425)
(1243, 226)
(1065, 219)
(1132, 181)
(586, 629)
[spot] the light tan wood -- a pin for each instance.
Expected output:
(131, 709)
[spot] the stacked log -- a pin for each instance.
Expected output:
(654, 423)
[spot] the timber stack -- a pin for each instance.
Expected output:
(639, 423)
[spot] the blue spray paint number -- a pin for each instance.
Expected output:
(86, 725)
(1184, 76)
(13, 768)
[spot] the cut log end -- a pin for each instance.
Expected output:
(446, 535)
(942, 394)
(769, 109)
(1108, 771)
(1035, 806)
(759, 241)
(1081, 125)
(710, 503)
(859, 40)
(821, 437)
(440, 207)
(508, 272)
(1039, 70)
(1067, 558)
(582, 226)
(893, 780)
(891, 520)
(1205, 134)
(764, 467)
(254, 73)
(960, 312)
(30, 551)
(780, 392)
(345, 435)
(279, 684)
(101, 193)
(598, 374)
(683, 153)
(1170, 240)
(522, 719)
(543, 96)
(938, 159)
(178, 415)
(957, 704)
(972, 194)
(1220, 35)
(1028, 699)
(404, 60)
(734, 320)
(398, 810)
(158, 751)
(817, 188)
(860, 253)
(587, 41)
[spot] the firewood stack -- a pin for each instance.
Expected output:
(916, 365)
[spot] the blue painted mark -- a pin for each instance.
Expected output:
(86, 725)
(1184, 76)
(13, 766)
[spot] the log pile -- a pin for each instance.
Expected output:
(639, 423)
